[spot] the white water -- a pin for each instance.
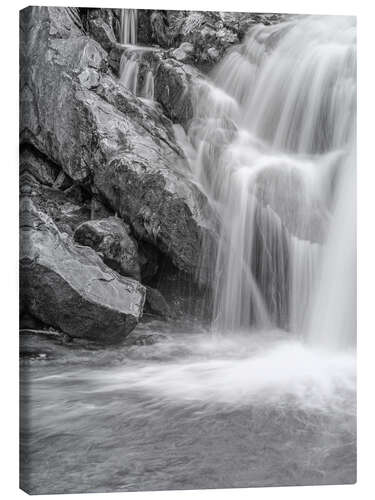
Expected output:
(192, 411)
(134, 74)
(333, 311)
(129, 72)
(129, 24)
(148, 88)
(274, 134)
(264, 370)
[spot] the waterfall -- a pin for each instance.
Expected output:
(274, 138)
(333, 312)
(129, 72)
(148, 88)
(136, 74)
(129, 25)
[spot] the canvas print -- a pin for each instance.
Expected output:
(187, 251)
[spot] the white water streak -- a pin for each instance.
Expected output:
(273, 134)
(129, 26)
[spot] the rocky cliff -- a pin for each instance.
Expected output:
(89, 150)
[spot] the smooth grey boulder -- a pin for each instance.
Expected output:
(110, 238)
(184, 52)
(69, 287)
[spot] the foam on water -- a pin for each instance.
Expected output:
(278, 372)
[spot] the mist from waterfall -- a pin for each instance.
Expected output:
(274, 134)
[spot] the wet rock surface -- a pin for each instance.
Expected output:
(69, 287)
(79, 117)
(209, 34)
(110, 238)
(156, 303)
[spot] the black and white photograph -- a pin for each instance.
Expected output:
(187, 255)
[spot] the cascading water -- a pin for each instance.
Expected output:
(274, 134)
(134, 74)
(129, 72)
(129, 25)
(148, 88)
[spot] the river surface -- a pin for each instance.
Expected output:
(191, 411)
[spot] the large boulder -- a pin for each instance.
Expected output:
(55, 60)
(82, 119)
(69, 288)
(162, 209)
(184, 52)
(111, 239)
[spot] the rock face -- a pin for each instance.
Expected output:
(79, 117)
(174, 89)
(184, 52)
(102, 24)
(161, 209)
(68, 287)
(67, 208)
(156, 303)
(33, 165)
(209, 33)
(110, 238)
(174, 80)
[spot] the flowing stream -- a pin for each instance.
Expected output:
(267, 395)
